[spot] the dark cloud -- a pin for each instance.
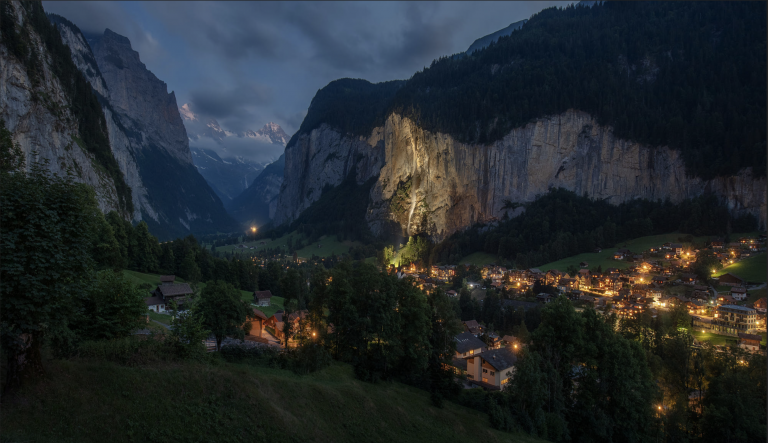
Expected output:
(219, 102)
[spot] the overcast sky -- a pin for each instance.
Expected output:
(249, 63)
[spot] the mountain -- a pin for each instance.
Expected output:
(256, 205)
(621, 100)
(227, 177)
(214, 152)
(51, 110)
(483, 42)
(90, 105)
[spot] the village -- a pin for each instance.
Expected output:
(647, 283)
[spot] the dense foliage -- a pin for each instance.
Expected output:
(689, 75)
(83, 102)
(561, 224)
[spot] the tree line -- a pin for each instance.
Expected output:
(561, 224)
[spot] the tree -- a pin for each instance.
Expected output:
(188, 330)
(223, 310)
(46, 240)
(113, 307)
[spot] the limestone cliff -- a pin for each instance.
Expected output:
(37, 111)
(450, 185)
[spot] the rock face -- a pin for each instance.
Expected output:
(227, 177)
(257, 204)
(451, 185)
(40, 119)
(147, 137)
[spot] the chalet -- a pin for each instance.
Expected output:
(473, 327)
(688, 279)
(544, 298)
(738, 292)
(275, 322)
(256, 324)
(717, 244)
(725, 300)
(618, 255)
(452, 293)
(583, 265)
(659, 279)
(729, 279)
(491, 369)
(162, 296)
(677, 248)
(553, 276)
(494, 339)
(750, 342)
(761, 305)
(262, 298)
(468, 345)
(567, 284)
(510, 341)
(167, 279)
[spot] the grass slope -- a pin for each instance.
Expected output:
(92, 401)
(605, 259)
(753, 269)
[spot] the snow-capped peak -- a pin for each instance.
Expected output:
(186, 113)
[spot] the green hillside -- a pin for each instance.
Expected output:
(753, 269)
(92, 401)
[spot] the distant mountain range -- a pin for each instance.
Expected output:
(217, 160)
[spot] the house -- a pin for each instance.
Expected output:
(473, 327)
(167, 279)
(544, 298)
(262, 298)
(162, 296)
(494, 339)
(468, 345)
(738, 292)
(761, 304)
(618, 255)
(583, 265)
(729, 279)
(677, 248)
(473, 284)
(510, 342)
(155, 303)
(750, 342)
(492, 369)
(724, 300)
(275, 322)
(452, 293)
(257, 323)
(717, 245)
(688, 278)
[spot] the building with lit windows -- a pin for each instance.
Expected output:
(732, 319)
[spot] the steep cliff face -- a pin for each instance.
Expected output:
(147, 137)
(446, 185)
(83, 58)
(38, 114)
(258, 203)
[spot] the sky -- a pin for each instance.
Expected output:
(249, 63)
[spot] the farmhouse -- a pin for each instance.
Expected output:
(729, 279)
(162, 296)
(750, 342)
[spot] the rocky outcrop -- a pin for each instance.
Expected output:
(38, 115)
(140, 98)
(447, 185)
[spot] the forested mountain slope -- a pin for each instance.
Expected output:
(619, 100)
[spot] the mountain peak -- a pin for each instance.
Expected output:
(186, 113)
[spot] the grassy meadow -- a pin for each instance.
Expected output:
(94, 401)
(753, 269)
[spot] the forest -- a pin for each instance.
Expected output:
(561, 224)
(677, 74)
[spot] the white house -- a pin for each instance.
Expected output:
(492, 369)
